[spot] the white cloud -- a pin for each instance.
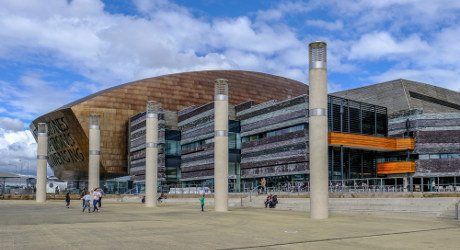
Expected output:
(382, 45)
(17, 149)
(282, 9)
(444, 48)
(242, 34)
(11, 124)
(32, 96)
(442, 78)
(435, 61)
(396, 15)
(337, 25)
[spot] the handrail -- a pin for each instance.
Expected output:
(130, 191)
(252, 190)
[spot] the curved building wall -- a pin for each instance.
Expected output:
(68, 125)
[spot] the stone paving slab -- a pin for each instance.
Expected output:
(28, 225)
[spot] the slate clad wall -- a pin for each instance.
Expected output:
(443, 141)
(434, 134)
(137, 125)
(197, 125)
(438, 167)
(284, 154)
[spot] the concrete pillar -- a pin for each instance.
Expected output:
(42, 155)
(221, 145)
(318, 131)
(151, 154)
(405, 184)
(411, 184)
(94, 152)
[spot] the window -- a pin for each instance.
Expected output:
(272, 133)
(439, 156)
(434, 156)
(192, 146)
(253, 137)
(424, 157)
(234, 140)
(172, 147)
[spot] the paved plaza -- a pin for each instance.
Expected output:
(27, 225)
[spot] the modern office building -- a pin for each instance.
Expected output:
(428, 114)
(394, 129)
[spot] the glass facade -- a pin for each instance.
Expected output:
(234, 146)
(438, 156)
(347, 116)
(172, 156)
(348, 163)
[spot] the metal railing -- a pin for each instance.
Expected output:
(369, 185)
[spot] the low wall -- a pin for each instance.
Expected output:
(404, 204)
(418, 207)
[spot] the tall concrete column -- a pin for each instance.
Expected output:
(94, 152)
(405, 184)
(42, 155)
(318, 131)
(151, 154)
(221, 145)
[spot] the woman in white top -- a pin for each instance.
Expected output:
(96, 195)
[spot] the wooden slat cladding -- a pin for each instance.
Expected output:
(396, 167)
(371, 142)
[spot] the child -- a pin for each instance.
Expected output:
(202, 202)
(86, 202)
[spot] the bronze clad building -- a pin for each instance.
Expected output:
(68, 125)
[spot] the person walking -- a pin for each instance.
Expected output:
(83, 193)
(67, 200)
(202, 202)
(263, 184)
(96, 196)
(86, 202)
(101, 192)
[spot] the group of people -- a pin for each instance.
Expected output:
(271, 201)
(97, 199)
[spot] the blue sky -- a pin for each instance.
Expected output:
(53, 52)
